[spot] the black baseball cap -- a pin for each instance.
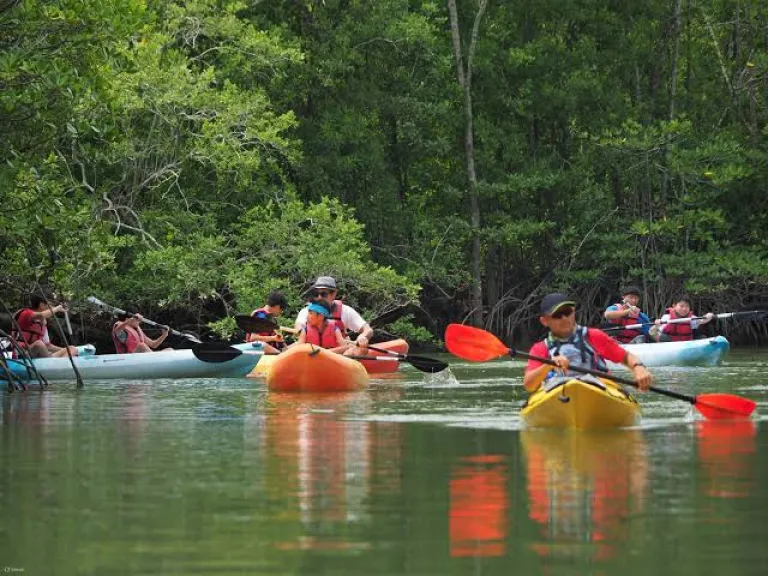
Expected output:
(553, 302)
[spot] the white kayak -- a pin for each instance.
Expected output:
(146, 366)
(704, 352)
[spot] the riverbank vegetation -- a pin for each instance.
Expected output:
(189, 157)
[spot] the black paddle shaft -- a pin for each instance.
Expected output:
(606, 375)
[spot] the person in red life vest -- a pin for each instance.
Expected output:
(321, 331)
(274, 308)
(627, 312)
(570, 344)
(324, 289)
(31, 328)
(129, 338)
(678, 331)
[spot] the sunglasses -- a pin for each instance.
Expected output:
(563, 312)
(322, 293)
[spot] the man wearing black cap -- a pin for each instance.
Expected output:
(570, 344)
(346, 317)
(627, 312)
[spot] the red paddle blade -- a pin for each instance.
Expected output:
(724, 406)
(473, 344)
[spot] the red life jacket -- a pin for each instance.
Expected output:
(627, 335)
(324, 339)
(678, 332)
(28, 330)
(265, 316)
(134, 337)
(335, 318)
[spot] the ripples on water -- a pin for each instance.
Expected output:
(421, 474)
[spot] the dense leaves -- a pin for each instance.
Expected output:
(196, 155)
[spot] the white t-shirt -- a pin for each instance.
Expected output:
(349, 316)
(668, 317)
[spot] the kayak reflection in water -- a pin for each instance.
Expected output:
(584, 488)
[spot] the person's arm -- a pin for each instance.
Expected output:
(535, 371)
(354, 322)
(533, 378)
(365, 336)
(615, 312)
(48, 312)
(301, 319)
(342, 345)
(302, 339)
(157, 341)
(643, 378)
(609, 349)
(265, 338)
(695, 324)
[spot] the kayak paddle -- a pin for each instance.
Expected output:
(255, 324)
(422, 363)
(223, 352)
(756, 315)
(114, 310)
(478, 345)
(220, 352)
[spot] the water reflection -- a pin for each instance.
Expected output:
(479, 508)
(323, 460)
(726, 450)
(582, 489)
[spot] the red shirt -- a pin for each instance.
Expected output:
(604, 345)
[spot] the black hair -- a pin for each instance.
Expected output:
(683, 298)
(129, 312)
(36, 299)
(630, 290)
(277, 298)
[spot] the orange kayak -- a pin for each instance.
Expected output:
(400, 346)
(307, 368)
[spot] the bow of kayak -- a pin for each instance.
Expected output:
(307, 368)
(703, 352)
(400, 346)
(582, 404)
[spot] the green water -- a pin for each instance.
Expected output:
(414, 476)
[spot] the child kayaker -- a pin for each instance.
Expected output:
(666, 330)
(628, 312)
(129, 338)
(273, 309)
(320, 331)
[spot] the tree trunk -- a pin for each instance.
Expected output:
(465, 81)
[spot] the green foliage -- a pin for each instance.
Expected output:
(404, 328)
(200, 154)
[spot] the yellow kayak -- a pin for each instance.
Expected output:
(582, 404)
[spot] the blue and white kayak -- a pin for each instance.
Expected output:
(146, 366)
(704, 352)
